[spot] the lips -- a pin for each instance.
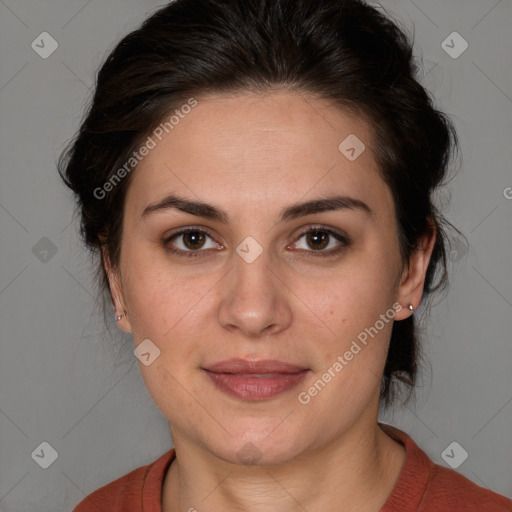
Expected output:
(243, 366)
(255, 380)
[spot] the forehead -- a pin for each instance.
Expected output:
(253, 147)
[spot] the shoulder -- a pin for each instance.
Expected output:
(117, 494)
(424, 486)
(131, 492)
(456, 492)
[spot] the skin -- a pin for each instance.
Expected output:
(253, 154)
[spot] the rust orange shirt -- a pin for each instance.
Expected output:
(422, 486)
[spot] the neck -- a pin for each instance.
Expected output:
(355, 473)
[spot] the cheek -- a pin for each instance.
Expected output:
(356, 309)
(158, 295)
(167, 307)
(351, 364)
(163, 309)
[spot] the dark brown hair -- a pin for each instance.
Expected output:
(342, 50)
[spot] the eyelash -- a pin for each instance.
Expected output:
(345, 242)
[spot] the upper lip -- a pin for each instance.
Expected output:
(244, 366)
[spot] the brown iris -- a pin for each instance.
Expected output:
(195, 237)
(317, 237)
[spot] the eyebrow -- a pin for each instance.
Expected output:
(294, 211)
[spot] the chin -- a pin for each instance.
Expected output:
(260, 447)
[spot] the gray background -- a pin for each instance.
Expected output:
(63, 380)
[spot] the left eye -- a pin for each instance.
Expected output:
(317, 238)
(320, 239)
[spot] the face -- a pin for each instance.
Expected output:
(251, 283)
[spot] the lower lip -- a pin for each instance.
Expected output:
(256, 388)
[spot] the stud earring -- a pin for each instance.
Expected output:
(411, 308)
(118, 317)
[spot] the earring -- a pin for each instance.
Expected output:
(411, 308)
(118, 317)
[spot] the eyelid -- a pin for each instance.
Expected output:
(182, 231)
(322, 227)
(343, 239)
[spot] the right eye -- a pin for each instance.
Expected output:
(192, 241)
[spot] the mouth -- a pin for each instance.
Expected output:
(255, 380)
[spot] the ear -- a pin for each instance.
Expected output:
(116, 290)
(410, 290)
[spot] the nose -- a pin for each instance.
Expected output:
(254, 298)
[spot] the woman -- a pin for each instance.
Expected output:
(257, 178)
